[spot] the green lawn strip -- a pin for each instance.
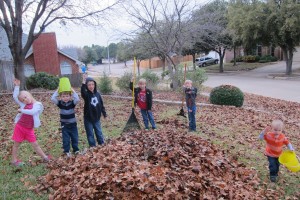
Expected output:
(239, 67)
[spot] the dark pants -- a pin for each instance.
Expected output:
(147, 116)
(90, 127)
(273, 166)
(69, 133)
(192, 119)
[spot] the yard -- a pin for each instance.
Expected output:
(230, 132)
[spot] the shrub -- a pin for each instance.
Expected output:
(165, 73)
(42, 80)
(123, 82)
(249, 58)
(198, 77)
(227, 95)
(268, 58)
(151, 78)
(105, 84)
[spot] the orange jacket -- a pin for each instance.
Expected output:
(275, 144)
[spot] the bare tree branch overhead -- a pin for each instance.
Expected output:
(35, 15)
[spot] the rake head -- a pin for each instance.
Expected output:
(132, 123)
(181, 113)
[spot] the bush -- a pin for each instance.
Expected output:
(151, 78)
(198, 77)
(268, 58)
(42, 80)
(227, 95)
(249, 58)
(165, 73)
(105, 84)
(123, 82)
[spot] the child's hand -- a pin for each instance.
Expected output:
(267, 129)
(17, 82)
(19, 110)
(132, 79)
(84, 76)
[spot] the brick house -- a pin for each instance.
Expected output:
(44, 56)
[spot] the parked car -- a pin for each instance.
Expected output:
(206, 60)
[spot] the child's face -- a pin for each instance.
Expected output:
(188, 85)
(91, 86)
(65, 97)
(142, 85)
(276, 130)
(25, 98)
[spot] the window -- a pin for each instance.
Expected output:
(28, 70)
(65, 68)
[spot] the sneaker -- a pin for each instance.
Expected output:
(77, 153)
(146, 129)
(48, 158)
(18, 163)
(273, 179)
(154, 129)
(68, 154)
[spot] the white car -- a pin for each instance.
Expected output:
(206, 60)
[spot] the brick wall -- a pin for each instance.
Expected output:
(45, 54)
(75, 68)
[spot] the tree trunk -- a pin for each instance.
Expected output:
(288, 54)
(194, 60)
(164, 64)
(138, 67)
(149, 63)
(172, 74)
(221, 55)
(19, 71)
(234, 55)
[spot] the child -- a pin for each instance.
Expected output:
(190, 97)
(93, 107)
(143, 98)
(275, 140)
(26, 121)
(67, 119)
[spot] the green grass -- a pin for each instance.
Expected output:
(239, 67)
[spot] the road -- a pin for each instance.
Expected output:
(255, 81)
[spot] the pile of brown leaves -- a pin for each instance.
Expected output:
(164, 164)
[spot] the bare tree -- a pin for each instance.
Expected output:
(36, 15)
(164, 23)
(210, 21)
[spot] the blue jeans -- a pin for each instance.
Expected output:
(273, 166)
(90, 127)
(192, 120)
(69, 132)
(147, 116)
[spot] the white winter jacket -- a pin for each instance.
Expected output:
(36, 110)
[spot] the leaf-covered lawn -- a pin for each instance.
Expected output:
(233, 131)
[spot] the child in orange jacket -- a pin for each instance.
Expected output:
(275, 140)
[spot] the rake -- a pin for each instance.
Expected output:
(181, 112)
(132, 122)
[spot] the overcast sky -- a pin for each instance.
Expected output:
(79, 36)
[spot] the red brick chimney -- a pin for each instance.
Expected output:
(45, 54)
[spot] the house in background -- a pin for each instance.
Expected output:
(43, 56)
(46, 57)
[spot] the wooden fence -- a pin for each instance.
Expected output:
(6, 75)
(75, 79)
